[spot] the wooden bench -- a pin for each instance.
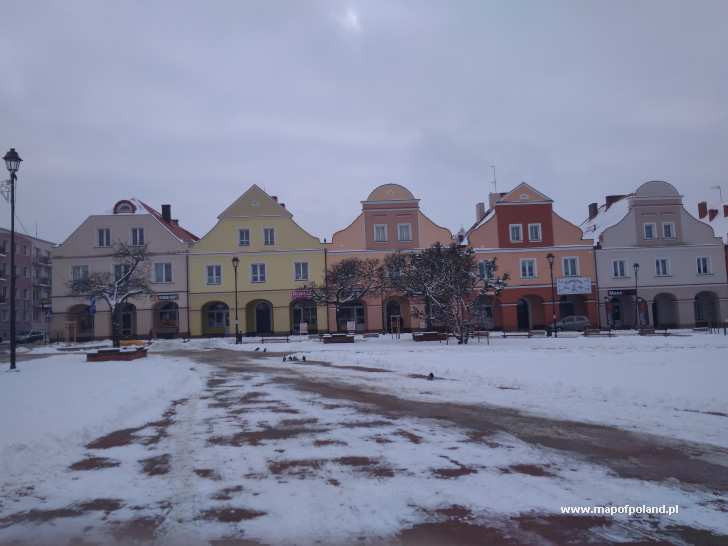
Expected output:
(595, 332)
(132, 343)
(539, 333)
(429, 336)
(482, 333)
(371, 335)
(274, 339)
(516, 334)
(337, 338)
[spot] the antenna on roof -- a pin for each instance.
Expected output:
(494, 181)
(720, 192)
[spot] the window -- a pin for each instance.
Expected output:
(571, 267)
(516, 233)
(3, 293)
(662, 267)
(668, 230)
(137, 236)
(301, 271)
(244, 237)
(104, 237)
(3, 247)
(79, 272)
(26, 273)
(3, 270)
(214, 274)
(534, 232)
(25, 250)
(485, 270)
(257, 272)
(619, 268)
(4, 315)
(163, 272)
(404, 232)
(703, 266)
(120, 270)
(269, 236)
(380, 233)
(528, 269)
(26, 294)
(649, 231)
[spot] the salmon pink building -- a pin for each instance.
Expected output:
(520, 229)
(390, 221)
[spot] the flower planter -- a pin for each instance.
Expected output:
(116, 355)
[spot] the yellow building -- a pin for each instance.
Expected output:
(277, 259)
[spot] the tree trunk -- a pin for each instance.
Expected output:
(115, 327)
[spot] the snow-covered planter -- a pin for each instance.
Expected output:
(112, 355)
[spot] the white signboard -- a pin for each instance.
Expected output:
(573, 285)
(303, 328)
(351, 326)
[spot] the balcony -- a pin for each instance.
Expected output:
(42, 281)
(42, 260)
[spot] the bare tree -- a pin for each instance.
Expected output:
(348, 281)
(130, 278)
(448, 280)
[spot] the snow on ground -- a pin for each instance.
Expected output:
(246, 455)
(56, 404)
(674, 386)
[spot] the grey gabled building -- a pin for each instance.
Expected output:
(681, 278)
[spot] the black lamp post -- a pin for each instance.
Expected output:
(12, 162)
(550, 258)
(607, 313)
(236, 263)
(636, 267)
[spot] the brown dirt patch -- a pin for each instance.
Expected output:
(255, 438)
(296, 467)
(697, 536)
(381, 439)
(136, 530)
(118, 438)
(227, 493)
(334, 482)
(235, 542)
(94, 463)
(453, 533)
(454, 511)
(529, 469)
(298, 422)
(449, 473)
(324, 443)
(365, 424)
(371, 467)
(230, 515)
(411, 436)
(156, 466)
(207, 473)
(72, 511)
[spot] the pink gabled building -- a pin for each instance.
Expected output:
(390, 221)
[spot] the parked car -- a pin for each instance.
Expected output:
(30, 337)
(574, 323)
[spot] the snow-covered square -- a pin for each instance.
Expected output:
(299, 443)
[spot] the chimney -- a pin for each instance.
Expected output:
(702, 209)
(275, 198)
(492, 198)
(725, 211)
(175, 221)
(712, 213)
(479, 211)
(166, 213)
(283, 205)
(593, 210)
(611, 199)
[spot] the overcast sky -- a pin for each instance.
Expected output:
(319, 102)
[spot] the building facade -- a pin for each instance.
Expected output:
(90, 248)
(32, 283)
(716, 215)
(277, 261)
(390, 221)
(520, 229)
(657, 264)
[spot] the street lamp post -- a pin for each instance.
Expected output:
(12, 162)
(636, 267)
(550, 258)
(236, 263)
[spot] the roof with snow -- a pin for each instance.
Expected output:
(607, 217)
(137, 206)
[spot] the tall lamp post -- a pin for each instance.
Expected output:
(12, 162)
(636, 267)
(550, 258)
(236, 263)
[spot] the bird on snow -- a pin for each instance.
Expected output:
(265, 349)
(303, 358)
(431, 376)
(257, 348)
(284, 358)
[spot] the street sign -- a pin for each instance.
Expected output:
(622, 292)
(573, 285)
